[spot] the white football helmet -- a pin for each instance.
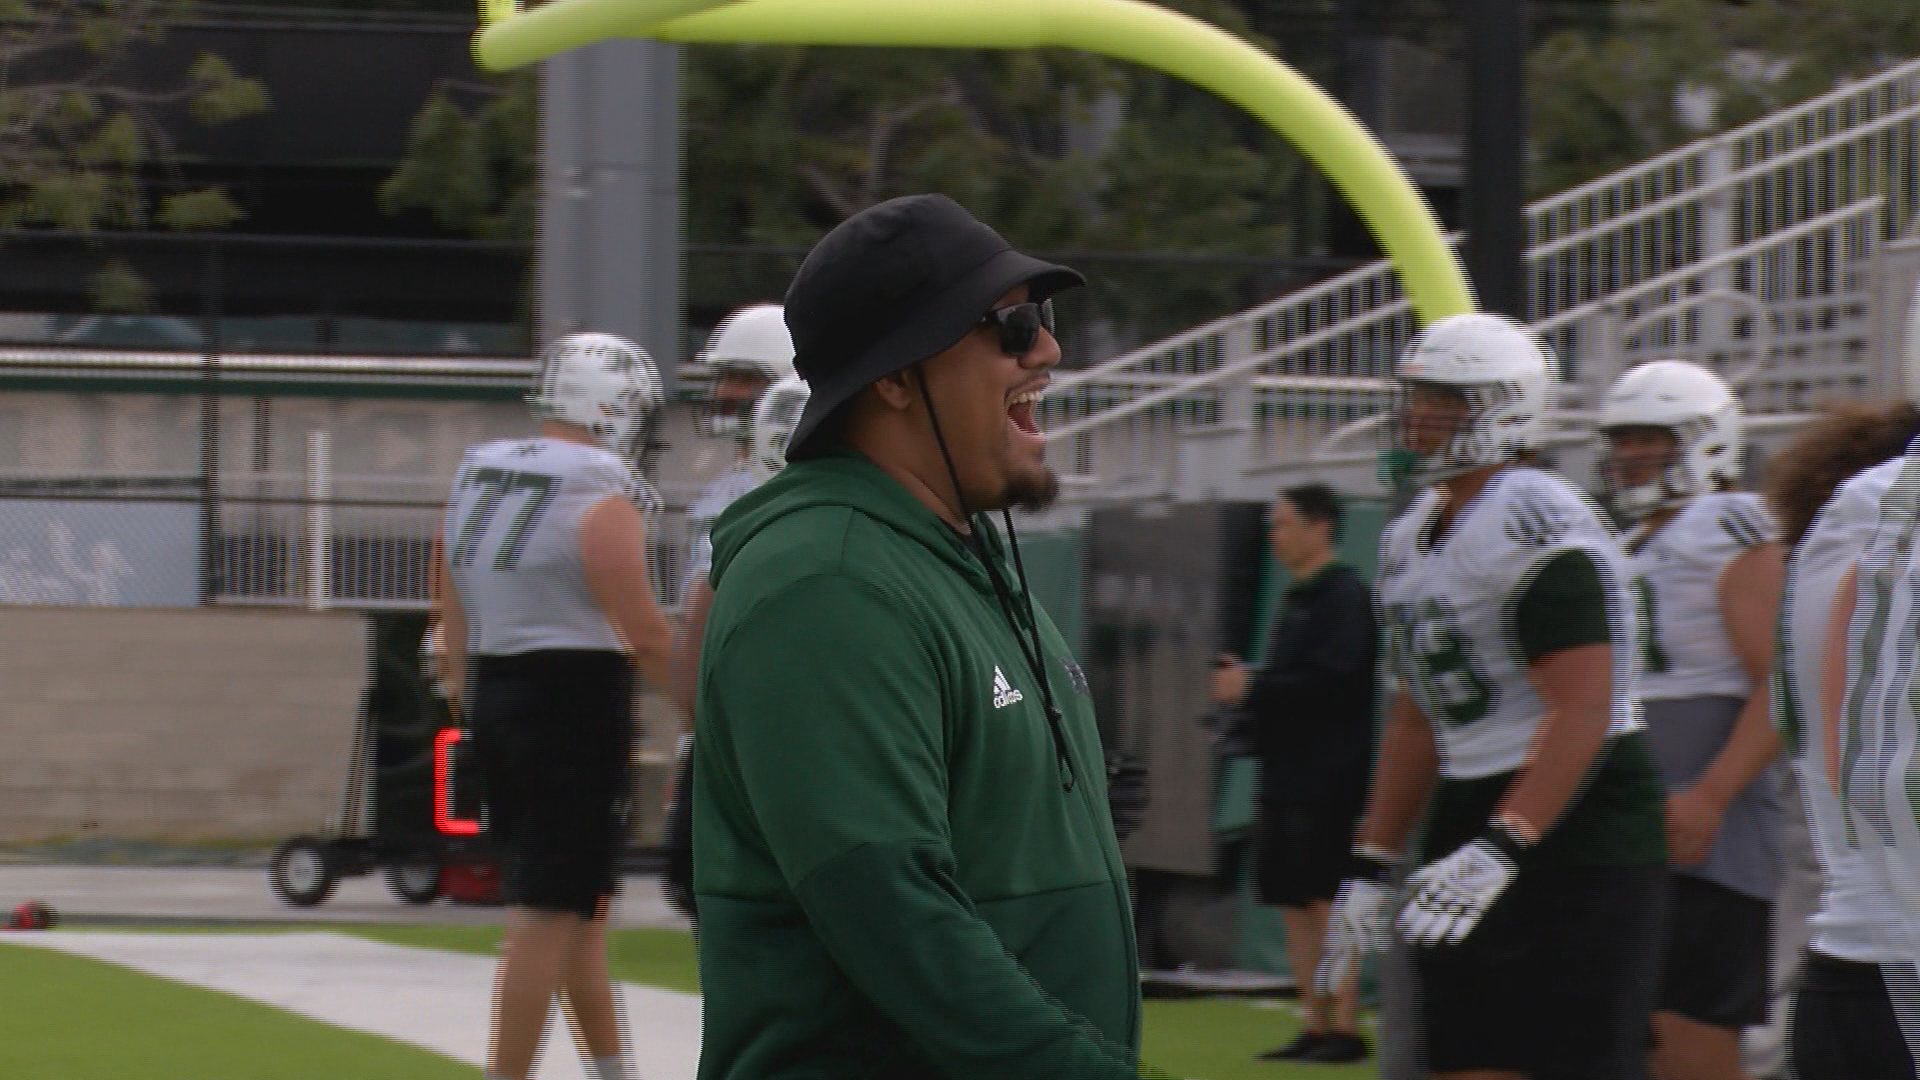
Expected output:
(774, 419)
(1708, 431)
(605, 384)
(1506, 374)
(751, 342)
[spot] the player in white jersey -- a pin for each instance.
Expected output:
(1517, 736)
(1854, 1016)
(750, 353)
(1709, 575)
(548, 602)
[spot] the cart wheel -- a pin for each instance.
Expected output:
(420, 881)
(301, 872)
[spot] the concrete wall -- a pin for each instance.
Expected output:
(175, 724)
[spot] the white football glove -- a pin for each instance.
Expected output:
(1451, 894)
(1357, 927)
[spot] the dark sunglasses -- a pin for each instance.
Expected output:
(1019, 325)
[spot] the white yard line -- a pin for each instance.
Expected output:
(134, 893)
(431, 998)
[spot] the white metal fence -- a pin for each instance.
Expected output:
(371, 557)
(365, 542)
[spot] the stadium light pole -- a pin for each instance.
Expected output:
(610, 226)
(1495, 211)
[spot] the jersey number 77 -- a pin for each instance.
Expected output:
(495, 486)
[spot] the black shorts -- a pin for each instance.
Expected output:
(1719, 954)
(554, 730)
(1558, 981)
(1305, 852)
(1844, 1027)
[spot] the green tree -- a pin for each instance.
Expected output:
(1061, 150)
(474, 171)
(1825, 42)
(83, 140)
(1661, 73)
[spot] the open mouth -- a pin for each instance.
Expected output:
(1020, 410)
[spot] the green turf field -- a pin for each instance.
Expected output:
(71, 1018)
(161, 1030)
(1201, 1039)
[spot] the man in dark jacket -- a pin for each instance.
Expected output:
(1310, 717)
(905, 865)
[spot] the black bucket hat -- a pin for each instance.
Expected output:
(890, 286)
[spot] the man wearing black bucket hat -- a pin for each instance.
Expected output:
(904, 862)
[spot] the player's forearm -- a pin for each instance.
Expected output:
(618, 554)
(458, 662)
(454, 631)
(1750, 748)
(1852, 675)
(1580, 685)
(1836, 687)
(1750, 596)
(659, 649)
(1409, 771)
(1570, 754)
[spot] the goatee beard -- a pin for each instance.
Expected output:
(1034, 495)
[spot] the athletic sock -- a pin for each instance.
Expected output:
(611, 1067)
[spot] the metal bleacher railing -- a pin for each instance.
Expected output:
(1753, 250)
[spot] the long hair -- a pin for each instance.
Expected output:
(1844, 441)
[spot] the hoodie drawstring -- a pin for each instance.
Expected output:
(1034, 652)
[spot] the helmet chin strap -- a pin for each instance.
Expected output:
(1639, 502)
(1031, 648)
(1435, 468)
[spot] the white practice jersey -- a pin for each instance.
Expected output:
(1885, 733)
(1859, 917)
(723, 492)
(1449, 615)
(516, 524)
(1685, 650)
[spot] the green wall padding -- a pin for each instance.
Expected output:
(1057, 572)
(1056, 564)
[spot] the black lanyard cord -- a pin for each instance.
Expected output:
(1038, 661)
(1033, 653)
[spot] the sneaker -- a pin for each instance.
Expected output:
(1302, 1045)
(1337, 1048)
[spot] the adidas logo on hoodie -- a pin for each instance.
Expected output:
(1004, 693)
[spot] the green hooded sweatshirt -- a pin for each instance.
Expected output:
(892, 880)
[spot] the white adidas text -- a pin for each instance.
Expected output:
(1004, 693)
